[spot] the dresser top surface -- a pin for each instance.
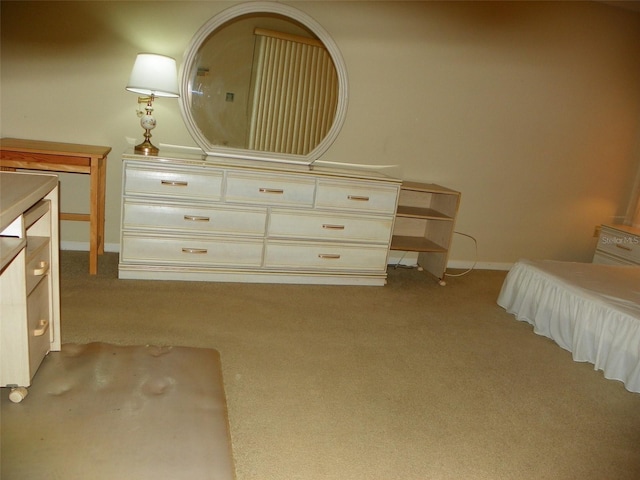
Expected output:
(172, 158)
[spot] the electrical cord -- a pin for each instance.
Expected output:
(475, 242)
(397, 265)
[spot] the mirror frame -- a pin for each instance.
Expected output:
(221, 19)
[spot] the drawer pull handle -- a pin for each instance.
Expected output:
(174, 183)
(329, 256)
(43, 326)
(196, 218)
(358, 198)
(278, 191)
(199, 251)
(623, 247)
(328, 226)
(41, 269)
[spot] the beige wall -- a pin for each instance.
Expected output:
(531, 110)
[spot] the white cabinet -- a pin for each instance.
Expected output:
(618, 245)
(196, 218)
(29, 279)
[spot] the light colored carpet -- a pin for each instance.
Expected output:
(410, 381)
(104, 412)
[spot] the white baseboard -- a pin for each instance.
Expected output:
(84, 246)
(460, 264)
(409, 259)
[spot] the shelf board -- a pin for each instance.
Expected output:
(421, 212)
(415, 244)
(9, 249)
(428, 188)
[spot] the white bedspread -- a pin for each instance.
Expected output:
(591, 310)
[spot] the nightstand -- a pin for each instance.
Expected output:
(618, 245)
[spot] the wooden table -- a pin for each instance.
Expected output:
(71, 158)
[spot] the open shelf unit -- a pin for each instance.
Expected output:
(424, 223)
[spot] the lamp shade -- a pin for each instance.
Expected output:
(155, 75)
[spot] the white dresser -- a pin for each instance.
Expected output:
(197, 218)
(29, 276)
(618, 245)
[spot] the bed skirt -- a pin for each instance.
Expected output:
(591, 310)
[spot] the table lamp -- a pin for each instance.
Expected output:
(152, 76)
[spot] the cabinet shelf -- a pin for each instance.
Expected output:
(420, 212)
(424, 223)
(415, 244)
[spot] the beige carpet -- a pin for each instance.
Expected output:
(104, 412)
(411, 381)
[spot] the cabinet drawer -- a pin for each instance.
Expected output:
(620, 244)
(227, 220)
(327, 226)
(325, 257)
(38, 261)
(164, 250)
(38, 319)
(356, 196)
(269, 189)
(604, 259)
(175, 182)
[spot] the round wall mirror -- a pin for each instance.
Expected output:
(263, 81)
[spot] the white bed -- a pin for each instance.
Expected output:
(591, 310)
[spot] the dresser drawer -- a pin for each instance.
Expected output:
(269, 189)
(39, 319)
(157, 249)
(176, 183)
(38, 261)
(325, 256)
(328, 226)
(194, 219)
(620, 244)
(356, 196)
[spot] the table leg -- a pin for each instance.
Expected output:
(101, 203)
(93, 220)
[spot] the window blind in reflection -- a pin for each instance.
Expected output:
(294, 95)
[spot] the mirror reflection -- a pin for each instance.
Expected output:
(263, 82)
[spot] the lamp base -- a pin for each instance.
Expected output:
(146, 148)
